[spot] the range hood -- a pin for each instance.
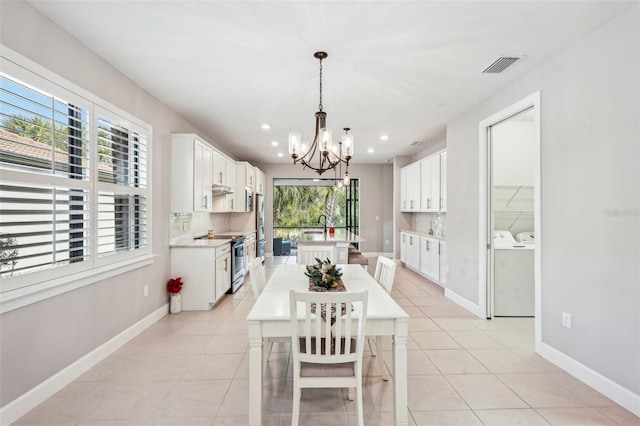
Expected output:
(221, 190)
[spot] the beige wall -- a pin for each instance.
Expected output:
(39, 340)
(590, 233)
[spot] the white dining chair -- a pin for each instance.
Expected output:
(257, 277)
(321, 362)
(384, 275)
(258, 280)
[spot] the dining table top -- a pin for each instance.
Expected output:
(273, 302)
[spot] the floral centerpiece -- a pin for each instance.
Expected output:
(324, 275)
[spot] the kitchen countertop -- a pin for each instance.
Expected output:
(206, 243)
(424, 234)
(340, 236)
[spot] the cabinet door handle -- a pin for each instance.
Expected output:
(428, 203)
(427, 245)
(225, 263)
(411, 203)
(206, 201)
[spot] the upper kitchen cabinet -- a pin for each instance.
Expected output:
(430, 184)
(225, 174)
(250, 176)
(410, 188)
(423, 185)
(245, 178)
(259, 181)
(224, 170)
(191, 173)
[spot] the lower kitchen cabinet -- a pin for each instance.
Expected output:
(443, 262)
(205, 272)
(223, 272)
(430, 258)
(425, 255)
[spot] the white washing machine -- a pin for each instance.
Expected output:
(513, 274)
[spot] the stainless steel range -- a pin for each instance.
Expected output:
(237, 260)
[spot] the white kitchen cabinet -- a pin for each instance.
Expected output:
(443, 262)
(203, 176)
(430, 184)
(219, 168)
(430, 258)
(225, 203)
(191, 173)
(197, 268)
(259, 179)
(250, 176)
(411, 246)
(223, 270)
(410, 188)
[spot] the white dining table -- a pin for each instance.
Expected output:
(269, 317)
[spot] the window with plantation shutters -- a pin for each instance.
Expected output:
(74, 183)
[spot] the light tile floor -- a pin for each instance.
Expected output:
(192, 369)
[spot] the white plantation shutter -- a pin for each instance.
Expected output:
(122, 208)
(74, 192)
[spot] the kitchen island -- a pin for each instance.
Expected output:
(315, 243)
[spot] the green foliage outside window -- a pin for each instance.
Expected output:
(301, 206)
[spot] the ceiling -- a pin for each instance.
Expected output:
(395, 68)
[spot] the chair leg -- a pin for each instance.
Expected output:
(360, 409)
(373, 353)
(295, 414)
(270, 349)
(351, 394)
(383, 369)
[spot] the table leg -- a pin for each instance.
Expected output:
(400, 396)
(255, 373)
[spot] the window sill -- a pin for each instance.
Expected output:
(24, 296)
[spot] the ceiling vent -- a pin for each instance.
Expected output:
(415, 143)
(501, 64)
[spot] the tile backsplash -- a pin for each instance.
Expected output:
(186, 226)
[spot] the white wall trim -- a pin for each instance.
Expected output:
(465, 303)
(602, 384)
(30, 399)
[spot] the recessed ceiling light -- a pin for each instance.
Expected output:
(370, 150)
(266, 126)
(280, 154)
(384, 137)
(274, 143)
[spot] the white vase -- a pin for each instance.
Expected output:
(175, 305)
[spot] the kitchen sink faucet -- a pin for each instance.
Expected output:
(325, 221)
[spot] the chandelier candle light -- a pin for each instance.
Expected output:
(330, 154)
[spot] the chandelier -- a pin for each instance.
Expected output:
(329, 154)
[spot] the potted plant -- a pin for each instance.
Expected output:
(173, 287)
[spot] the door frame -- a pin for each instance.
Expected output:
(484, 292)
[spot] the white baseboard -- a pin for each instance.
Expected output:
(469, 306)
(605, 386)
(30, 399)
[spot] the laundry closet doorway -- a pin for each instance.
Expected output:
(510, 277)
